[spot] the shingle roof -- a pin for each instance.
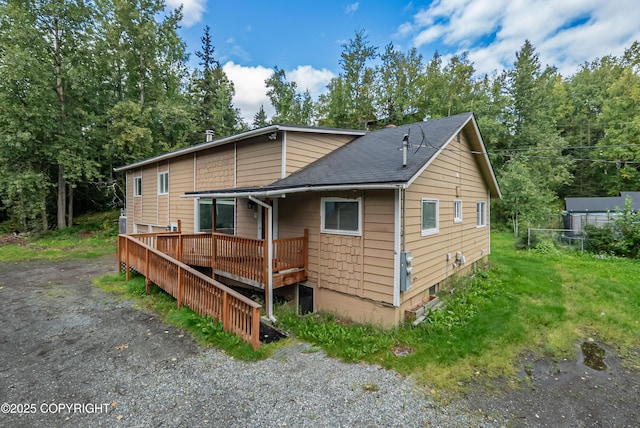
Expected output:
(377, 156)
(375, 160)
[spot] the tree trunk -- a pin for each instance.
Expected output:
(62, 185)
(62, 197)
(70, 207)
(43, 210)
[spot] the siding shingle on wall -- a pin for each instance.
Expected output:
(215, 168)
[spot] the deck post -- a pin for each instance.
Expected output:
(179, 249)
(127, 268)
(119, 253)
(255, 328)
(179, 296)
(305, 250)
(213, 239)
(147, 281)
(225, 311)
(267, 259)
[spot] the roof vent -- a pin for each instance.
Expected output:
(208, 135)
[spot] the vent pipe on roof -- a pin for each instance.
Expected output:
(208, 135)
(405, 145)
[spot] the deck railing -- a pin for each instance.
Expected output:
(236, 256)
(205, 296)
(240, 257)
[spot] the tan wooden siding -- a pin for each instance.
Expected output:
(454, 174)
(304, 148)
(149, 195)
(181, 181)
(378, 234)
(246, 219)
(360, 266)
(297, 213)
(258, 162)
(215, 168)
(164, 201)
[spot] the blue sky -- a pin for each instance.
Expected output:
(305, 38)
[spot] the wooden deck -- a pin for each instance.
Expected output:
(205, 296)
(240, 259)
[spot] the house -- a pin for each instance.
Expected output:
(595, 210)
(386, 215)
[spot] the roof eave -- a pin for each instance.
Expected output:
(235, 138)
(282, 192)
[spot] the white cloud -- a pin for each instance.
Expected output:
(311, 79)
(251, 91)
(192, 10)
(352, 8)
(565, 34)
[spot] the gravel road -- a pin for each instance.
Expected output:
(73, 355)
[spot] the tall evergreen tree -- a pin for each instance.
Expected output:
(212, 93)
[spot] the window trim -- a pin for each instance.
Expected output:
(323, 229)
(457, 218)
(137, 189)
(434, 230)
(160, 183)
(481, 214)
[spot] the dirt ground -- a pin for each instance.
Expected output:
(55, 325)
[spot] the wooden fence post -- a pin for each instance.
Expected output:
(305, 250)
(225, 311)
(255, 328)
(127, 265)
(147, 281)
(179, 296)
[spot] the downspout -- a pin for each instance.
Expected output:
(269, 284)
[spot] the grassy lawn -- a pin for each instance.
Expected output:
(541, 302)
(91, 236)
(528, 302)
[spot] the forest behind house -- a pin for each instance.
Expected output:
(89, 86)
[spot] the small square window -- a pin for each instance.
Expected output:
(430, 217)
(457, 211)
(163, 183)
(481, 214)
(137, 186)
(341, 216)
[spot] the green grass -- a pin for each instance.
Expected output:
(206, 331)
(91, 236)
(539, 303)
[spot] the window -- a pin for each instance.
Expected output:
(163, 183)
(457, 211)
(341, 216)
(430, 221)
(225, 215)
(137, 186)
(481, 214)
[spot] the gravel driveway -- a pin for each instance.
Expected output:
(73, 355)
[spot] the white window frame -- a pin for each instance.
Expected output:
(457, 211)
(137, 186)
(163, 183)
(323, 229)
(481, 214)
(432, 230)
